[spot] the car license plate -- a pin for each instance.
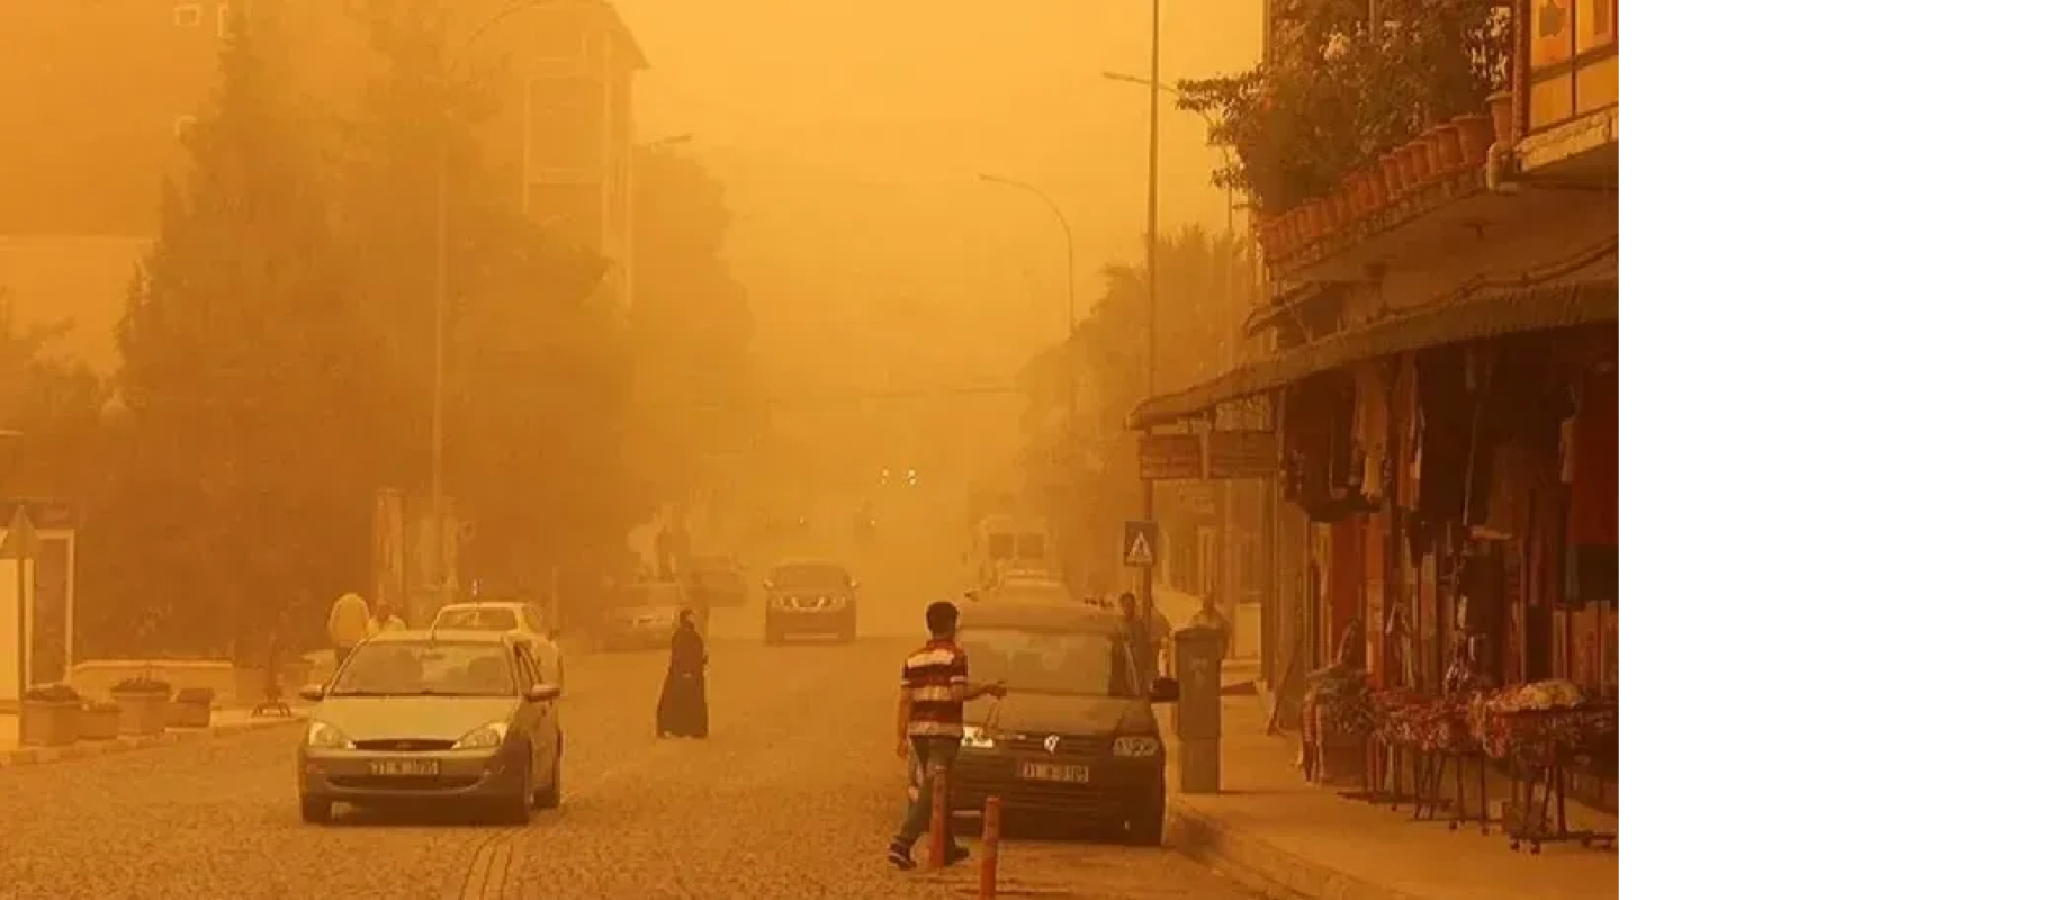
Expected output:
(403, 768)
(1062, 774)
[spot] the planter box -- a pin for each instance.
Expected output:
(143, 714)
(1443, 144)
(1476, 134)
(101, 724)
(1503, 119)
(188, 714)
(45, 724)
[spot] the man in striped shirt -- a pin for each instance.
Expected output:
(933, 686)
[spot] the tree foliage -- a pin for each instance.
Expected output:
(277, 352)
(236, 346)
(693, 372)
(1346, 81)
(1079, 451)
(536, 349)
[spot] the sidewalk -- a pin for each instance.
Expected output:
(223, 721)
(1279, 834)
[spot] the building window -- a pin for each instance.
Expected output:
(187, 15)
(182, 127)
(223, 20)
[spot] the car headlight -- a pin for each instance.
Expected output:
(487, 737)
(325, 736)
(977, 737)
(1136, 746)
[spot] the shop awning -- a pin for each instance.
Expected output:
(1476, 316)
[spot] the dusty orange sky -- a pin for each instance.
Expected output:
(850, 137)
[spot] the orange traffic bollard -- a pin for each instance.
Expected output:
(939, 816)
(989, 851)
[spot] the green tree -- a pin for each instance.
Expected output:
(1344, 82)
(536, 361)
(50, 411)
(1080, 452)
(693, 372)
(237, 344)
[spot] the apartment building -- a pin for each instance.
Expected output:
(94, 96)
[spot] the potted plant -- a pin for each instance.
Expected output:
(1443, 145)
(1503, 118)
(145, 703)
(50, 716)
(1410, 158)
(1389, 174)
(100, 721)
(1476, 134)
(191, 708)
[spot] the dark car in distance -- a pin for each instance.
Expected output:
(809, 597)
(411, 717)
(717, 580)
(1075, 739)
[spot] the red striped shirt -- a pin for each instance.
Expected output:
(933, 678)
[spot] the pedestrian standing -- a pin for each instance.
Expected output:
(681, 710)
(1148, 633)
(933, 686)
(349, 624)
(1211, 618)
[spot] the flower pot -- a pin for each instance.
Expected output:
(142, 713)
(1415, 163)
(188, 714)
(49, 724)
(99, 722)
(1391, 171)
(1443, 144)
(1312, 222)
(1476, 134)
(1503, 120)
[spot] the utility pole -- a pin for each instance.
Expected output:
(1150, 576)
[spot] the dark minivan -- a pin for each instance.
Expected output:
(1075, 738)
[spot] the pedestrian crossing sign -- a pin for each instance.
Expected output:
(1140, 544)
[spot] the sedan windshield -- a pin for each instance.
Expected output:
(1032, 662)
(397, 668)
(478, 619)
(810, 578)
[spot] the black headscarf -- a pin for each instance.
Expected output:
(687, 648)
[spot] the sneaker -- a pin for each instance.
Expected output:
(955, 854)
(901, 857)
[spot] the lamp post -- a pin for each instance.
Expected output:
(20, 547)
(1229, 194)
(1151, 283)
(1071, 267)
(441, 263)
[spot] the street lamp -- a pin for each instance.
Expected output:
(1071, 267)
(1229, 195)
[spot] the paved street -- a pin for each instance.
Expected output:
(793, 798)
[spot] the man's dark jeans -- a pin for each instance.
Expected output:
(922, 753)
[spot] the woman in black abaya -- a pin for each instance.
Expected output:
(681, 711)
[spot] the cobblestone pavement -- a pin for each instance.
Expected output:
(792, 799)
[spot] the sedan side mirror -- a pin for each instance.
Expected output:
(1165, 690)
(311, 692)
(541, 693)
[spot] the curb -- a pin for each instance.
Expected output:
(1258, 864)
(31, 756)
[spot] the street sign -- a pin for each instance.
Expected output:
(1244, 454)
(1169, 457)
(1140, 544)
